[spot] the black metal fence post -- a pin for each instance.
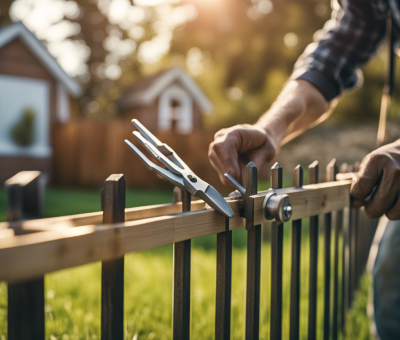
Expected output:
(313, 279)
(295, 273)
(25, 299)
(253, 257)
(338, 218)
(224, 284)
(330, 176)
(345, 263)
(112, 272)
(181, 295)
(276, 263)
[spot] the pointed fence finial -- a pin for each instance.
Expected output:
(298, 176)
(251, 180)
(313, 173)
(276, 176)
(331, 171)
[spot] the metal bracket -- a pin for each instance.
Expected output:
(274, 206)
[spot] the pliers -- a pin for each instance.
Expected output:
(176, 171)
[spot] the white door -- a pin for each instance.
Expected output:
(16, 95)
(175, 107)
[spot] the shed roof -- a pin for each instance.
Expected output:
(19, 30)
(146, 90)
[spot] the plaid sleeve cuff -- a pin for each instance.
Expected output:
(327, 86)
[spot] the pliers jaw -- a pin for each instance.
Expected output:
(176, 171)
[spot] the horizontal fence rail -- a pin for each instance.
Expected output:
(53, 250)
(37, 247)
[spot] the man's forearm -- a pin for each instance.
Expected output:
(299, 106)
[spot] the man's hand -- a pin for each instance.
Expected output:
(380, 168)
(299, 106)
(233, 148)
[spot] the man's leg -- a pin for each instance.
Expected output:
(386, 283)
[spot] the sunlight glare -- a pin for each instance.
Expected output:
(119, 9)
(291, 39)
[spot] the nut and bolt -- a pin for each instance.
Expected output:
(277, 206)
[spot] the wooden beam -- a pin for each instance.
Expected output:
(28, 256)
(310, 200)
(63, 222)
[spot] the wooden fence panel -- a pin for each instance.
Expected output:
(65, 154)
(104, 142)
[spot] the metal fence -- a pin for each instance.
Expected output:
(37, 247)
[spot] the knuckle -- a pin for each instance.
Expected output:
(378, 156)
(217, 146)
(393, 215)
(219, 133)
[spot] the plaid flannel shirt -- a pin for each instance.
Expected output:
(347, 41)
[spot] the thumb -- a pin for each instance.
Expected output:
(366, 179)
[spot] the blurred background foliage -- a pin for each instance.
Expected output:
(241, 52)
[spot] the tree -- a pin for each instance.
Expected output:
(5, 6)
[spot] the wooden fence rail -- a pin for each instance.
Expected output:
(45, 245)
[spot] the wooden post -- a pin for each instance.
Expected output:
(276, 263)
(181, 302)
(295, 273)
(25, 299)
(112, 273)
(313, 278)
(253, 258)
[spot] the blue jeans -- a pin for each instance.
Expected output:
(386, 283)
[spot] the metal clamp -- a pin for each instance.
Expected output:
(277, 206)
(274, 206)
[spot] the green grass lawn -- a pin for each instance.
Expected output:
(73, 295)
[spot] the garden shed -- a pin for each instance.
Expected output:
(35, 95)
(169, 101)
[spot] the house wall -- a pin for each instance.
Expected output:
(18, 62)
(147, 115)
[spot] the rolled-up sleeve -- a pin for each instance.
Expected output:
(347, 41)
